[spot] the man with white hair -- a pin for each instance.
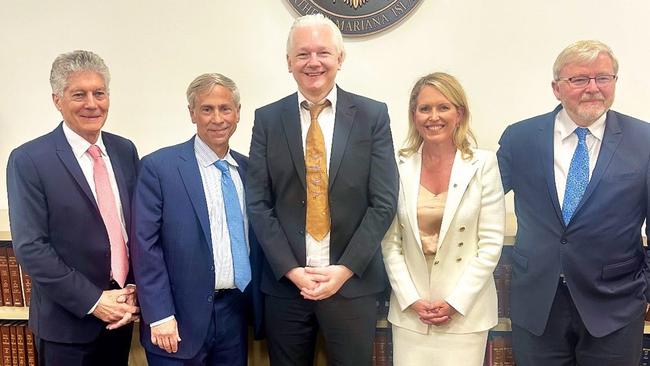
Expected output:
(580, 179)
(322, 192)
(69, 209)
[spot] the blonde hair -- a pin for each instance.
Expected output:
(451, 89)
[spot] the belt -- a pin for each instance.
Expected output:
(223, 292)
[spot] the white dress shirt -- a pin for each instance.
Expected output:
(564, 145)
(318, 252)
(80, 147)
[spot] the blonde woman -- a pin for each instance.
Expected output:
(446, 238)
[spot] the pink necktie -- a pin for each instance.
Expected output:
(108, 210)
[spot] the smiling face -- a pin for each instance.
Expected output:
(435, 117)
(216, 116)
(314, 61)
(84, 104)
(586, 104)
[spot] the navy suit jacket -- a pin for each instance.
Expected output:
(172, 251)
(58, 232)
(362, 192)
(601, 251)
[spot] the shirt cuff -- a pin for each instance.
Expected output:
(94, 307)
(161, 321)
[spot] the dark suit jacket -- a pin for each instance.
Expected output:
(600, 252)
(172, 250)
(58, 232)
(362, 191)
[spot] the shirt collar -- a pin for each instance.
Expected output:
(566, 126)
(205, 156)
(331, 96)
(80, 145)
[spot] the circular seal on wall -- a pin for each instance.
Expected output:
(358, 17)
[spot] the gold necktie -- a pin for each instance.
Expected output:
(318, 208)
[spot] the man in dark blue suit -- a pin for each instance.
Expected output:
(322, 193)
(69, 208)
(580, 176)
(197, 282)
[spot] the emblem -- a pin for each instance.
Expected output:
(358, 17)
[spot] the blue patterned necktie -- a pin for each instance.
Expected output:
(578, 176)
(235, 220)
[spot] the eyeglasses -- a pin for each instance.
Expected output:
(583, 81)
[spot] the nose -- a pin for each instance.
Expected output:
(592, 86)
(91, 102)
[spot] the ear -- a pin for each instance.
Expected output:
(191, 110)
(57, 101)
(461, 113)
(341, 58)
(556, 89)
(288, 63)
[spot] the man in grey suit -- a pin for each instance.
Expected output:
(580, 178)
(322, 191)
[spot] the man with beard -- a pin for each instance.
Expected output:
(580, 179)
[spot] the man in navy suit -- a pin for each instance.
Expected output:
(580, 176)
(192, 244)
(322, 208)
(69, 208)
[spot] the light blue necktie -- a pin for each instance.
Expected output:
(578, 176)
(235, 221)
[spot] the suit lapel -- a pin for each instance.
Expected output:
(546, 157)
(65, 154)
(410, 168)
(461, 174)
(344, 118)
(293, 133)
(611, 139)
(117, 165)
(188, 168)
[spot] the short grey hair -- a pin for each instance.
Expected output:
(314, 20)
(69, 63)
(206, 82)
(582, 51)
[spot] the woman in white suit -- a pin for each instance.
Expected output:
(446, 238)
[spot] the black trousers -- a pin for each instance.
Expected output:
(566, 341)
(111, 348)
(348, 327)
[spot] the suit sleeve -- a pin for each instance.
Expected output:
(505, 160)
(150, 270)
(261, 205)
(28, 212)
(491, 226)
(646, 249)
(382, 197)
(396, 268)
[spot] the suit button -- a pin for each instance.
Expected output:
(302, 203)
(210, 298)
(461, 229)
(564, 241)
(436, 263)
(211, 268)
(460, 244)
(459, 259)
(301, 232)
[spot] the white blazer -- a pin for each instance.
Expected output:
(469, 246)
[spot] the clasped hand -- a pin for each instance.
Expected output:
(319, 283)
(433, 312)
(117, 307)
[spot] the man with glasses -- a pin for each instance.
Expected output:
(580, 178)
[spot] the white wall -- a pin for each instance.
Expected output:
(501, 50)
